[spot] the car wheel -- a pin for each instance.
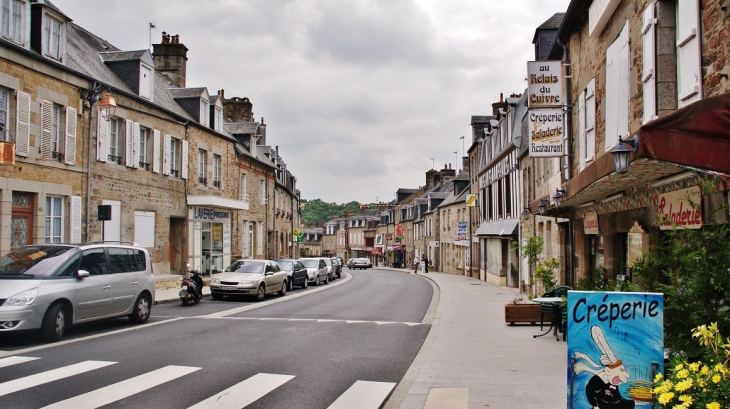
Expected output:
(289, 285)
(284, 286)
(142, 308)
(216, 296)
(260, 293)
(327, 279)
(53, 327)
(306, 283)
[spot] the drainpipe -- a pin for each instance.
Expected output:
(91, 97)
(569, 158)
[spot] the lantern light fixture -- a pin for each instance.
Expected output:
(542, 207)
(526, 213)
(558, 197)
(108, 106)
(622, 154)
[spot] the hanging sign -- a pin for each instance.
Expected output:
(544, 84)
(590, 223)
(379, 240)
(614, 339)
(678, 210)
(546, 132)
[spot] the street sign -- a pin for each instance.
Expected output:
(471, 200)
(300, 238)
(296, 231)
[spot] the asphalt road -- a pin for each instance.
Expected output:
(354, 338)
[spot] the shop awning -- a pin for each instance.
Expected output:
(376, 250)
(499, 228)
(397, 247)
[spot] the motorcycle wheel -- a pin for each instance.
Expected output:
(197, 299)
(185, 302)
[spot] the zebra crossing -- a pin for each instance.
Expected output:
(361, 395)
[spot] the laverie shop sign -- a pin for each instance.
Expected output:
(545, 116)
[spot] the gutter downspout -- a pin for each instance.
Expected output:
(569, 158)
(95, 85)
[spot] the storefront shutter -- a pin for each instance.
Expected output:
(70, 143)
(581, 131)
(648, 76)
(46, 123)
(144, 228)
(102, 148)
(75, 213)
(590, 110)
(22, 127)
(689, 73)
(156, 151)
(184, 161)
(166, 154)
(129, 139)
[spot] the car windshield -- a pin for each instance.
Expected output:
(256, 267)
(33, 261)
(328, 261)
(310, 263)
(286, 265)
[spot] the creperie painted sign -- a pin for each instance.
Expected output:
(544, 84)
(677, 211)
(590, 223)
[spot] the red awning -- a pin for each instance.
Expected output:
(376, 250)
(397, 247)
(697, 135)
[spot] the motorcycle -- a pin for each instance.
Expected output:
(191, 289)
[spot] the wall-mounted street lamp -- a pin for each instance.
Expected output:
(558, 197)
(542, 207)
(621, 153)
(108, 106)
(526, 213)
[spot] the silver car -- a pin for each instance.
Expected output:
(316, 269)
(249, 277)
(53, 286)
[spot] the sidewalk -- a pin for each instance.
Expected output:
(473, 359)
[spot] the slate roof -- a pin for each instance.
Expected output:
(184, 93)
(553, 23)
(110, 56)
(517, 118)
(54, 8)
(480, 119)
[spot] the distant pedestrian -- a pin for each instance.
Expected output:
(425, 265)
(415, 265)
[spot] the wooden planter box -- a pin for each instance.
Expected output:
(525, 313)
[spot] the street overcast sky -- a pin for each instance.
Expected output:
(358, 95)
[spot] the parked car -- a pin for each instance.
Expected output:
(249, 277)
(330, 269)
(54, 286)
(336, 267)
(361, 263)
(349, 262)
(316, 270)
(296, 273)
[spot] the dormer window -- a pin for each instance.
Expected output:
(12, 20)
(203, 112)
(218, 119)
(52, 37)
(146, 81)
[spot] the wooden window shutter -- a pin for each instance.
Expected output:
(689, 72)
(581, 131)
(46, 124)
(22, 124)
(129, 139)
(184, 166)
(590, 114)
(166, 154)
(75, 220)
(623, 82)
(102, 135)
(135, 143)
(611, 99)
(648, 76)
(70, 143)
(156, 151)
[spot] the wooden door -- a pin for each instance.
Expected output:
(21, 232)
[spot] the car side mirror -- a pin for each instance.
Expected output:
(269, 273)
(82, 274)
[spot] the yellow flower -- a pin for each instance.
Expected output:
(694, 366)
(683, 385)
(682, 374)
(686, 400)
(716, 378)
(713, 405)
(679, 367)
(705, 369)
(664, 398)
(658, 377)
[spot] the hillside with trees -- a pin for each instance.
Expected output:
(315, 211)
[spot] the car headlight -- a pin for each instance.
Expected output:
(215, 281)
(247, 282)
(25, 298)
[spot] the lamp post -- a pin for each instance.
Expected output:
(526, 213)
(622, 154)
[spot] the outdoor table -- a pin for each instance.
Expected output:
(555, 322)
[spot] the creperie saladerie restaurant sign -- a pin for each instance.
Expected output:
(545, 115)
(681, 208)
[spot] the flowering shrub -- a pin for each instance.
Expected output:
(703, 384)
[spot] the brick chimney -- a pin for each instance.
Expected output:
(432, 178)
(465, 163)
(171, 59)
(237, 109)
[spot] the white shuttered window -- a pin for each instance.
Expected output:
(70, 142)
(590, 112)
(648, 76)
(75, 215)
(581, 131)
(184, 160)
(689, 71)
(46, 131)
(113, 227)
(102, 136)
(130, 155)
(167, 164)
(22, 126)
(617, 89)
(156, 151)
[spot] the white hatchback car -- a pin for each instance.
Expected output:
(249, 277)
(316, 269)
(53, 286)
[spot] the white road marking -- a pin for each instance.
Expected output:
(355, 321)
(385, 322)
(50, 376)
(363, 395)
(123, 389)
(244, 393)
(13, 360)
